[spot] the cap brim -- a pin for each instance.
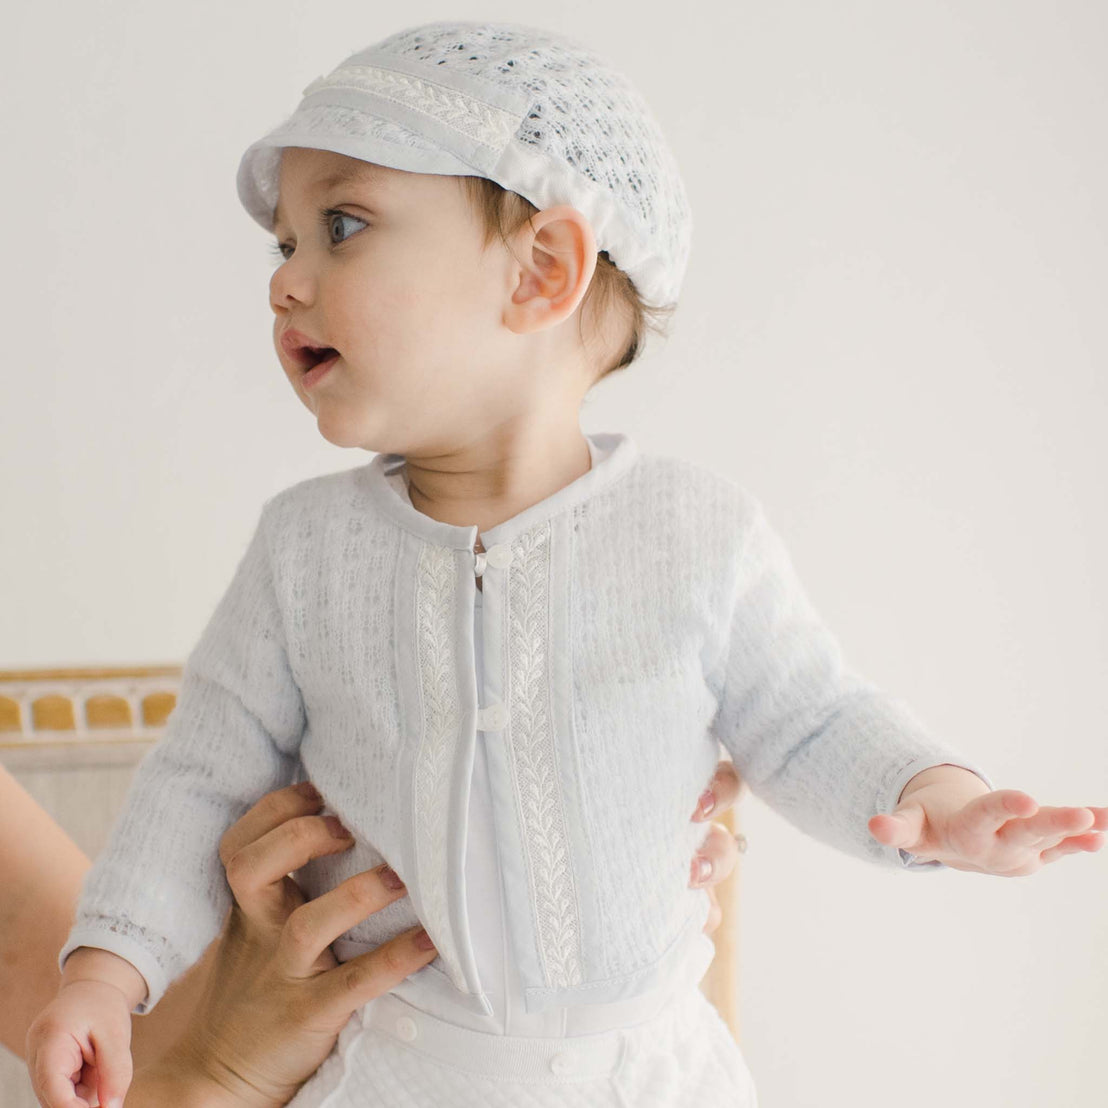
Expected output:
(257, 176)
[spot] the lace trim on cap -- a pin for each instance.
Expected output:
(435, 604)
(481, 122)
(534, 762)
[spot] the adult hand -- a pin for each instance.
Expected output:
(276, 998)
(719, 853)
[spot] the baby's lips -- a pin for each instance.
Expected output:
(302, 349)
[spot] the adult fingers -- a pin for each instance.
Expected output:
(715, 912)
(312, 927)
(721, 792)
(271, 811)
(258, 871)
(346, 988)
(716, 857)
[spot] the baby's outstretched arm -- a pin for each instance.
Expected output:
(949, 815)
(79, 1044)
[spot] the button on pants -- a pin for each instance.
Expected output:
(391, 1053)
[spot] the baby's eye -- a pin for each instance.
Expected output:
(329, 215)
(327, 218)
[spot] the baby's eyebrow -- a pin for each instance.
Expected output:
(364, 174)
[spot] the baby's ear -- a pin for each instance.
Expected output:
(556, 257)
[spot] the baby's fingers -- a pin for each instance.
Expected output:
(113, 1065)
(55, 1066)
(902, 828)
(985, 815)
(1051, 823)
(1091, 842)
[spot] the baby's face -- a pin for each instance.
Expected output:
(389, 268)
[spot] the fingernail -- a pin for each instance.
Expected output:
(702, 869)
(707, 801)
(390, 878)
(307, 790)
(336, 828)
(423, 940)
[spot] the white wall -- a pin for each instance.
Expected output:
(891, 332)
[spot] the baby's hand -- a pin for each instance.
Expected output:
(1003, 832)
(79, 1045)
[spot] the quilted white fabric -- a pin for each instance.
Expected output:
(393, 1054)
(539, 113)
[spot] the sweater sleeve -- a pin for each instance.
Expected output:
(157, 894)
(820, 745)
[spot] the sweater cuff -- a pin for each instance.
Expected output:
(888, 801)
(128, 949)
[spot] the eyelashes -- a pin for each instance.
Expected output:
(326, 215)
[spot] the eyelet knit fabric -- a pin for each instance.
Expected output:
(632, 622)
(538, 112)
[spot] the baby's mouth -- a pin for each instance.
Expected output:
(313, 355)
(302, 353)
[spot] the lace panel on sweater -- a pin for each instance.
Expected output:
(435, 609)
(534, 762)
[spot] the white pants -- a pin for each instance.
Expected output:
(393, 1055)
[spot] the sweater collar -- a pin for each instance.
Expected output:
(613, 453)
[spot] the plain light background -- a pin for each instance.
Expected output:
(891, 331)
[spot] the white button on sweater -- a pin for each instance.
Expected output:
(633, 620)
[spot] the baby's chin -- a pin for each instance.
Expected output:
(352, 433)
(349, 440)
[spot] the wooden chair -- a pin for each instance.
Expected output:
(71, 734)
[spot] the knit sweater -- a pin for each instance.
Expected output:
(633, 621)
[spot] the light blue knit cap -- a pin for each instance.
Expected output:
(536, 112)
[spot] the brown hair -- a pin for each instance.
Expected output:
(504, 212)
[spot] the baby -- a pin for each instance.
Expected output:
(505, 652)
